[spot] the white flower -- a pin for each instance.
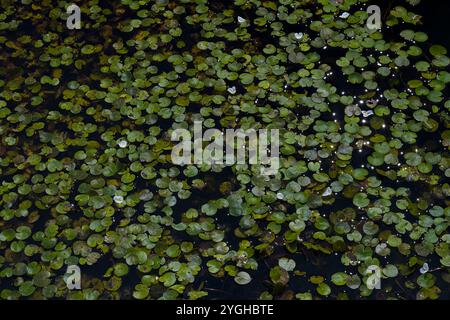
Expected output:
(425, 268)
(240, 19)
(327, 192)
(280, 196)
(344, 15)
(232, 90)
(298, 35)
(123, 143)
(118, 199)
(367, 113)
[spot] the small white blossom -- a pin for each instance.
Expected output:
(280, 196)
(123, 144)
(344, 15)
(118, 199)
(298, 35)
(327, 192)
(425, 268)
(232, 90)
(367, 113)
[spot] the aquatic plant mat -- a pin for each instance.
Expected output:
(93, 207)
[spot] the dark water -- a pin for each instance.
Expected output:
(436, 18)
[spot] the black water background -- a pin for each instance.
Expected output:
(436, 17)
